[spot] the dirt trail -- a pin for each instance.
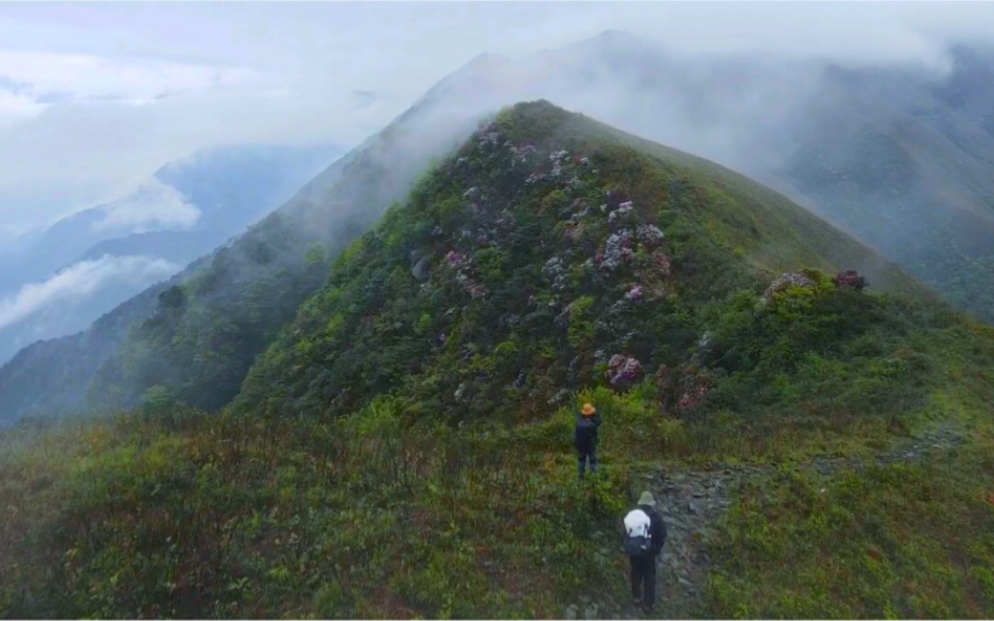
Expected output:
(691, 501)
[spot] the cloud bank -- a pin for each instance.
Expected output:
(80, 281)
(95, 97)
(153, 206)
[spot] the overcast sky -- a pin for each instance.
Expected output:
(95, 97)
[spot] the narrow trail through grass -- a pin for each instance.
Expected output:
(691, 501)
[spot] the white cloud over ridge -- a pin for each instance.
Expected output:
(95, 97)
(82, 280)
(153, 206)
(77, 78)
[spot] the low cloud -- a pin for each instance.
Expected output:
(15, 106)
(153, 206)
(80, 281)
(79, 78)
(96, 97)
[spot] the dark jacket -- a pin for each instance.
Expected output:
(585, 432)
(657, 529)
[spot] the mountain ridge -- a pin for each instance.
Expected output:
(464, 100)
(815, 127)
(750, 227)
(407, 438)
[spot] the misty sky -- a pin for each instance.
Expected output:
(95, 97)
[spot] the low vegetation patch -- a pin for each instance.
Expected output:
(908, 540)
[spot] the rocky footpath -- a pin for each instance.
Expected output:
(691, 501)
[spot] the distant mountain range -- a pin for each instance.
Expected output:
(56, 281)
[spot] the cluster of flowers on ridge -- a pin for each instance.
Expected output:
(687, 386)
(786, 281)
(460, 263)
(846, 279)
(850, 279)
(621, 368)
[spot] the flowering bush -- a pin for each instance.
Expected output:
(850, 279)
(635, 293)
(476, 290)
(617, 250)
(623, 209)
(649, 234)
(621, 368)
(784, 282)
(661, 262)
(557, 158)
(460, 262)
(690, 382)
(535, 177)
(490, 138)
(520, 154)
(555, 272)
(692, 397)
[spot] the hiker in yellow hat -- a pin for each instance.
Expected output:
(585, 437)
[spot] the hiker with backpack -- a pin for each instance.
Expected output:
(645, 534)
(585, 437)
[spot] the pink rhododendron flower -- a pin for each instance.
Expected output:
(786, 281)
(622, 368)
(850, 279)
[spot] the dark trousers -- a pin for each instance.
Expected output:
(644, 579)
(589, 455)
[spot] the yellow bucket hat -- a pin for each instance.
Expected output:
(588, 410)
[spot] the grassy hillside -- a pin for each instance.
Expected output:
(403, 448)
